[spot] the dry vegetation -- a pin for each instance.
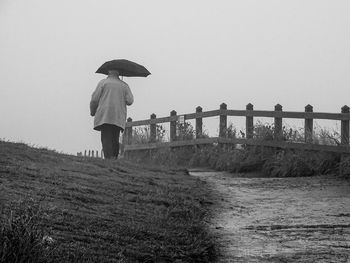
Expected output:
(61, 208)
(271, 162)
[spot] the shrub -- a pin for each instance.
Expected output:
(185, 131)
(265, 131)
(201, 156)
(164, 156)
(326, 137)
(271, 161)
(344, 167)
(226, 159)
(142, 135)
(287, 164)
(231, 131)
(179, 156)
(300, 163)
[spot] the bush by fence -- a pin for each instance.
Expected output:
(270, 161)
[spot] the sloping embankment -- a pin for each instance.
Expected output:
(109, 211)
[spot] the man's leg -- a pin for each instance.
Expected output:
(116, 134)
(107, 140)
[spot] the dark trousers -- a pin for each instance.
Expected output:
(110, 140)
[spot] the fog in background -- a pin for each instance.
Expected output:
(199, 53)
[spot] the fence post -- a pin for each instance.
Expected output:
(153, 129)
(223, 121)
(278, 124)
(173, 126)
(85, 153)
(199, 123)
(89, 153)
(102, 154)
(249, 122)
(345, 127)
(309, 125)
(128, 132)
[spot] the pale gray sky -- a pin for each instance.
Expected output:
(199, 53)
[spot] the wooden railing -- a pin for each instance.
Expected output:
(249, 113)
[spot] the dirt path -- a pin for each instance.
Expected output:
(281, 219)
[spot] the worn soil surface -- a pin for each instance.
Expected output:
(305, 219)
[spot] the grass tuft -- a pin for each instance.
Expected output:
(23, 237)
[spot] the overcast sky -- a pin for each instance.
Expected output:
(199, 53)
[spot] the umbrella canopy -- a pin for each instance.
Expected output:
(125, 67)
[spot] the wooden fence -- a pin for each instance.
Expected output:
(249, 113)
(90, 153)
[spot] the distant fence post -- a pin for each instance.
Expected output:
(153, 129)
(309, 125)
(128, 132)
(249, 122)
(278, 124)
(199, 123)
(223, 121)
(345, 127)
(173, 126)
(90, 153)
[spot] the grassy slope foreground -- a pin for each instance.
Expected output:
(105, 211)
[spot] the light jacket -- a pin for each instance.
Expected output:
(109, 101)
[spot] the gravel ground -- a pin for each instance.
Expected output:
(305, 219)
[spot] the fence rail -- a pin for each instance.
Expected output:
(245, 113)
(278, 114)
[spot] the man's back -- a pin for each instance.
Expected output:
(111, 97)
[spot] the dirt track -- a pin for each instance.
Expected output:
(281, 219)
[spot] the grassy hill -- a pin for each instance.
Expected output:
(73, 209)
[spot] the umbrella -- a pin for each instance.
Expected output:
(125, 67)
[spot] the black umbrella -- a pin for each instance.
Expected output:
(125, 67)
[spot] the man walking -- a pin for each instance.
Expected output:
(108, 105)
